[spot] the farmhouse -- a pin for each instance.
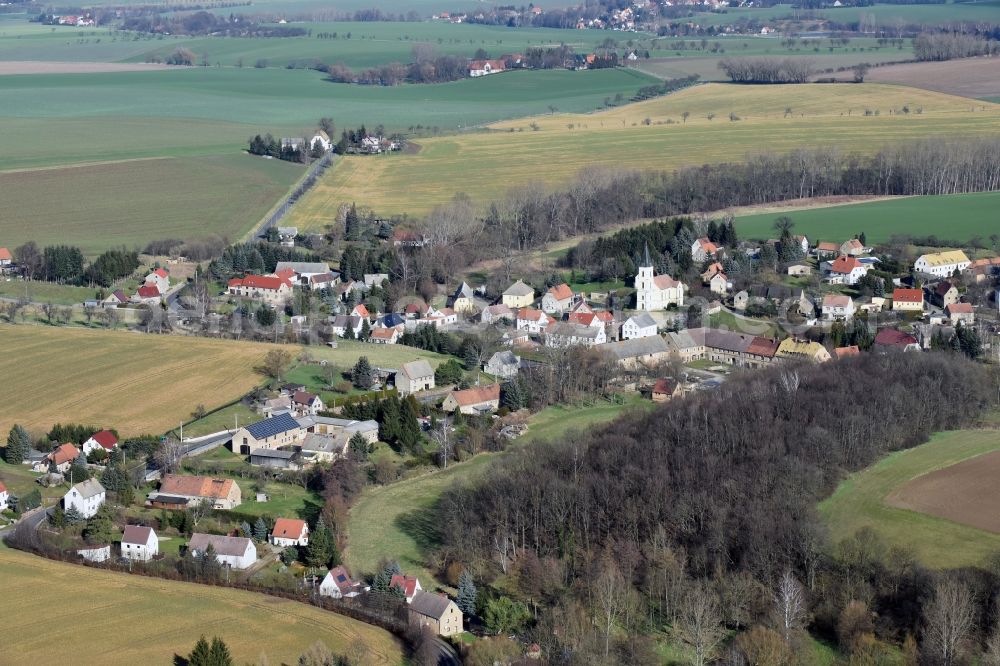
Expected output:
(485, 67)
(437, 612)
(337, 584)
(656, 292)
(340, 324)
(147, 294)
(62, 457)
(114, 299)
(275, 458)
(557, 299)
(236, 552)
(568, 334)
(410, 585)
(6, 258)
(325, 425)
(139, 543)
(269, 289)
(86, 497)
(908, 300)
(316, 448)
(826, 249)
(414, 376)
(290, 532)
(272, 406)
(941, 264)
(983, 269)
(103, 439)
(944, 294)
(961, 313)
(852, 248)
(791, 348)
(160, 279)
(666, 388)
(478, 400)
(518, 295)
(531, 320)
(838, 307)
(637, 352)
(307, 403)
(640, 325)
(302, 270)
(719, 284)
(503, 364)
(177, 491)
(277, 431)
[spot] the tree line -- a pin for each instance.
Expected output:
(710, 503)
(65, 264)
(950, 45)
(766, 70)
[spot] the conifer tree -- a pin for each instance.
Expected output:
(467, 594)
(201, 654)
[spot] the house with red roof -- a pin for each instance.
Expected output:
(845, 270)
(63, 456)
(666, 388)
(384, 336)
(6, 258)
(160, 279)
(908, 300)
(558, 299)
(702, 249)
(338, 584)
(838, 307)
(476, 400)
(853, 248)
(532, 320)
(846, 352)
(307, 404)
(410, 585)
(270, 289)
(360, 311)
(485, 67)
(104, 440)
(961, 313)
(891, 339)
(147, 294)
(4, 497)
(290, 532)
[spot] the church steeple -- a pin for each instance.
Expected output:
(646, 261)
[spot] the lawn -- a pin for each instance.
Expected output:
(45, 292)
(133, 382)
(968, 215)
(163, 618)
(348, 352)
(132, 203)
(226, 418)
(731, 321)
(396, 521)
(484, 165)
(860, 502)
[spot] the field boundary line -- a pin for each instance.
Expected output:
(81, 165)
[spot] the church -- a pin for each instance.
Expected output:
(656, 292)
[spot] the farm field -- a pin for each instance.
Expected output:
(707, 67)
(863, 500)
(45, 292)
(396, 521)
(139, 384)
(168, 615)
(486, 165)
(131, 203)
(968, 77)
(885, 15)
(969, 215)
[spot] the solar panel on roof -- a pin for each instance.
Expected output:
(276, 424)
(341, 578)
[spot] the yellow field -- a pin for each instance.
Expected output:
(62, 613)
(486, 165)
(133, 382)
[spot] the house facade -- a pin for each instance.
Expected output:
(337, 584)
(103, 439)
(941, 264)
(908, 300)
(237, 552)
(269, 289)
(415, 376)
(569, 334)
(477, 400)
(641, 325)
(503, 364)
(177, 491)
(139, 543)
(86, 497)
(290, 532)
(518, 295)
(846, 270)
(531, 320)
(278, 431)
(838, 307)
(437, 612)
(4, 497)
(557, 299)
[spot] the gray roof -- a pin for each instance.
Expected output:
(415, 369)
(727, 340)
(346, 322)
(303, 266)
(273, 426)
(322, 443)
(362, 426)
(223, 545)
(642, 320)
(506, 357)
(624, 349)
(463, 290)
(519, 289)
(430, 604)
(137, 534)
(688, 338)
(89, 488)
(572, 329)
(277, 454)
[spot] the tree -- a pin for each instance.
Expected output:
(358, 447)
(168, 456)
(18, 445)
(72, 517)
(362, 374)
(790, 606)
(100, 529)
(201, 654)
(466, 599)
(700, 623)
(260, 530)
(276, 363)
(289, 555)
(320, 546)
(611, 597)
(949, 619)
(504, 615)
(219, 653)
(860, 71)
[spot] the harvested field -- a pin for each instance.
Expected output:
(968, 77)
(36, 67)
(163, 617)
(965, 493)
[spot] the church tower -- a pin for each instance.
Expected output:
(644, 283)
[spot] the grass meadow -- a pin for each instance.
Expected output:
(860, 502)
(886, 16)
(132, 382)
(164, 617)
(397, 521)
(485, 165)
(967, 215)
(131, 203)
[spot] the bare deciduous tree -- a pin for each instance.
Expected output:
(168, 456)
(789, 605)
(611, 594)
(699, 625)
(948, 620)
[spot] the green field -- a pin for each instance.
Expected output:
(885, 15)
(44, 292)
(967, 215)
(486, 165)
(162, 617)
(859, 502)
(397, 521)
(131, 203)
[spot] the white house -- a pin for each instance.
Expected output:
(104, 439)
(496, 313)
(4, 497)
(307, 403)
(322, 138)
(941, 264)
(139, 543)
(532, 320)
(656, 292)
(719, 284)
(568, 333)
(340, 324)
(86, 497)
(838, 307)
(338, 585)
(302, 271)
(846, 270)
(290, 532)
(410, 585)
(160, 279)
(415, 376)
(702, 249)
(639, 325)
(269, 289)
(236, 552)
(557, 299)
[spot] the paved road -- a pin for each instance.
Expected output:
(446, 653)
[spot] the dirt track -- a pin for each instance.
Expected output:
(965, 493)
(37, 67)
(968, 77)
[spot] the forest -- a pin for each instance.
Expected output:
(700, 519)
